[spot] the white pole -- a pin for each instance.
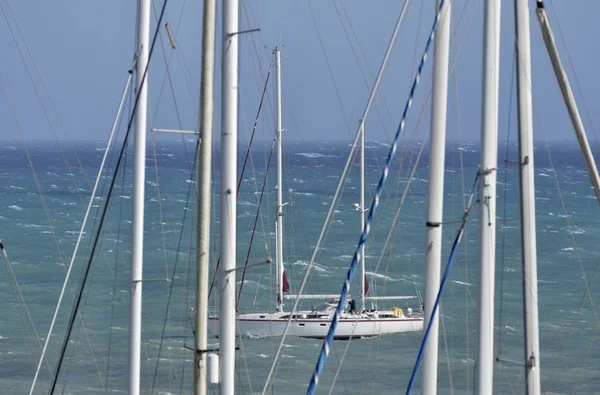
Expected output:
(279, 226)
(487, 200)
(361, 130)
(139, 175)
(437, 153)
(567, 93)
(528, 236)
(361, 267)
(229, 117)
(204, 170)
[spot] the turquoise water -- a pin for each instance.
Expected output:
(96, 358)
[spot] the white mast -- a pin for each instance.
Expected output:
(437, 153)
(361, 267)
(487, 200)
(139, 175)
(528, 235)
(279, 226)
(204, 169)
(568, 97)
(361, 130)
(229, 117)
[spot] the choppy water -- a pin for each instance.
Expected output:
(97, 352)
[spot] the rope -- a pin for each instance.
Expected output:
(442, 285)
(363, 238)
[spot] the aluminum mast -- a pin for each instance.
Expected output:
(229, 137)
(139, 175)
(204, 169)
(567, 93)
(279, 226)
(528, 235)
(437, 151)
(487, 200)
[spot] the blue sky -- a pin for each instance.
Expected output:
(84, 49)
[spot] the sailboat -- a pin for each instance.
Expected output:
(356, 321)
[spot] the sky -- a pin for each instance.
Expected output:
(331, 51)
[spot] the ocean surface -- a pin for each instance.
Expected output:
(39, 232)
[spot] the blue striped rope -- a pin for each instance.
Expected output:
(441, 290)
(363, 237)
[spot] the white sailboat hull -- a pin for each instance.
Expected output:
(316, 325)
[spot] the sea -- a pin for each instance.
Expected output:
(44, 194)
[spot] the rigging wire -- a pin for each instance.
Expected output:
(463, 193)
(443, 283)
(585, 106)
(73, 349)
(504, 205)
(572, 324)
(114, 290)
(587, 292)
(253, 233)
(42, 198)
(42, 356)
(185, 301)
(21, 304)
(331, 74)
(359, 251)
(172, 280)
(362, 71)
(45, 88)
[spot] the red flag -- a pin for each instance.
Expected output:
(285, 284)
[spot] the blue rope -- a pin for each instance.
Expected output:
(442, 285)
(363, 238)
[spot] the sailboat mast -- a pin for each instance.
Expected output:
(229, 137)
(139, 175)
(361, 130)
(437, 152)
(569, 98)
(279, 226)
(204, 170)
(487, 199)
(361, 267)
(528, 235)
